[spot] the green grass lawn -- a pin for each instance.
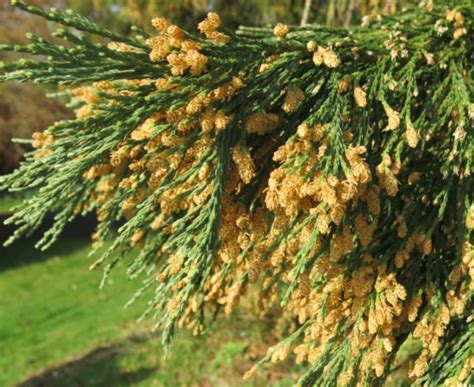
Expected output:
(7, 202)
(219, 359)
(51, 307)
(59, 328)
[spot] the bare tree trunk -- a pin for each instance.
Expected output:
(350, 12)
(306, 9)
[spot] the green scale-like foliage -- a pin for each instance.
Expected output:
(328, 167)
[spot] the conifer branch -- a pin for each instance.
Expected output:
(328, 168)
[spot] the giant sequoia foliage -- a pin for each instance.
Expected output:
(330, 169)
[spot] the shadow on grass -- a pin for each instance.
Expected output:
(23, 252)
(76, 235)
(97, 367)
(81, 225)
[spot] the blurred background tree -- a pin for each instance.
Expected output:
(122, 13)
(24, 108)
